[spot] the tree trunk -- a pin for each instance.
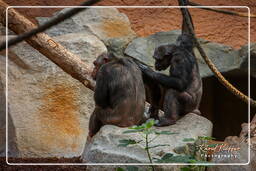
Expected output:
(54, 51)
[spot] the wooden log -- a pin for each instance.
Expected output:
(67, 61)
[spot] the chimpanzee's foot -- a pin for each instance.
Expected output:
(155, 117)
(196, 111)
(153, 113)
(165, 122)
(89, 139)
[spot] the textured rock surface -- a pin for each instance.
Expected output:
(85, 45)
(244, 59)
(2, 119)
(108, 24)
(104, 146)
(224, 57)
(50, 110)
(65, 27)
(242, 154)
(12, 139)
(242, 158)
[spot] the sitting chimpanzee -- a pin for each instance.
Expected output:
(183, 86)
(119, 94)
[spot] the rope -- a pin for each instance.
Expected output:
(219, 76)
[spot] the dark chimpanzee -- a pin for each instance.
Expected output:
(183, 85)
(119, 94)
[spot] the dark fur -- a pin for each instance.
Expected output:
(119, 94)
(183, 86)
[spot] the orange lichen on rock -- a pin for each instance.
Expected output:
(58, 116)
(60, 108)
(116, 28)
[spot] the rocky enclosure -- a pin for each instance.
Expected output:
(49, 110)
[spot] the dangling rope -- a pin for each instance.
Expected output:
(228, 85)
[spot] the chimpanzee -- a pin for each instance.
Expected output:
(119, 94)
(183, 85)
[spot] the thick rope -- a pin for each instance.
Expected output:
(219, 76)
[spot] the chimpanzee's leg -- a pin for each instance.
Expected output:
(94, 123)
(153, 95)
(171, 108)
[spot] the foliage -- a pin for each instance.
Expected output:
(189, 153)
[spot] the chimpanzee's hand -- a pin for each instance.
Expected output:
(146, 70)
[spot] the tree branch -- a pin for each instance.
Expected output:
(54, 51)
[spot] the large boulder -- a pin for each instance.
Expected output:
(50, 110)
(85, 45)
(224, 57)
(2, 119)
(240, 156)
(104, 148)
(244, 59)
(108, 24)
(12, 139)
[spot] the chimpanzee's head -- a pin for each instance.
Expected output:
(163, 55)
(102, 59)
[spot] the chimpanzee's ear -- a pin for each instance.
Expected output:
(106, 59)
(170, 49)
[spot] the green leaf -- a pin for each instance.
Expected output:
(165, 133)
(126, 142)
(213, 145)
(188, 139)
(132, 168)
(120, 169)
(150, 123)
(181, 159)
(165, 158)
(131, 131)
(192, 161)
(206, 138)
(185, 169)
(138, 127)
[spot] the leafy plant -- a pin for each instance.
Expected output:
(145, 130)
(189, 153)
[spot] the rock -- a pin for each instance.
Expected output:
(242, 153)
(3, 30)
(2, 120)
(224, 57)
(244, 59)
(108, 24)
(241, 158)
(12, 139)
(50, 110)
(85, 45)
(104, 146)
(65, 27)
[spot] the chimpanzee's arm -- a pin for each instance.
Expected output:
(101, 93)
(178, 83)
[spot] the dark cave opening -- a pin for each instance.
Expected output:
(224, 109)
